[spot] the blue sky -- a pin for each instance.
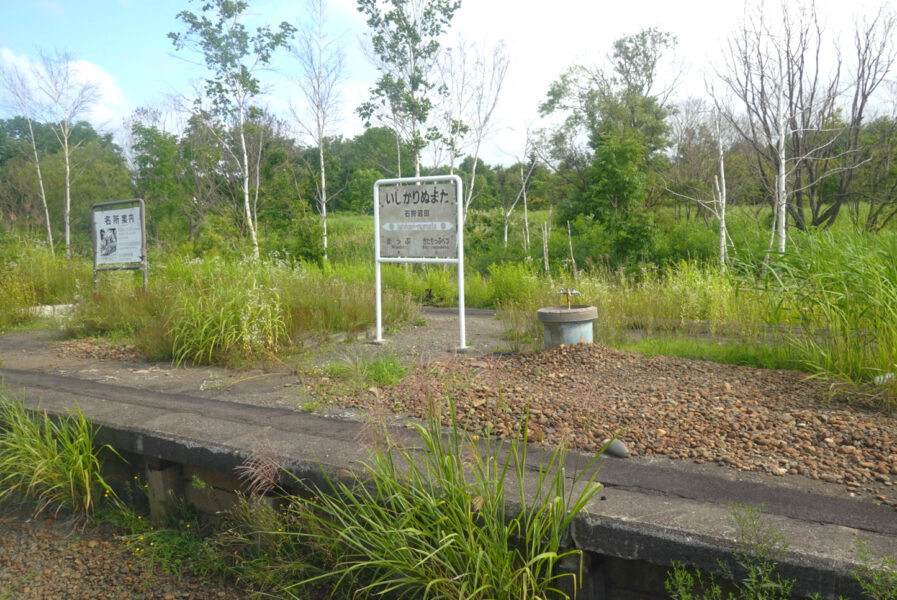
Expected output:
(125, 38)
(123, 46)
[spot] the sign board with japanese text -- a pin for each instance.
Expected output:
(119, 237)
(418, 220)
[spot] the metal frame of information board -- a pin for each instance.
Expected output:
(142, 264)
(458, 260)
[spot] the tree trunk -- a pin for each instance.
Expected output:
(246, 206)
(572, 258)
(68, 195)
(721, 199)
(40, 182)
(525, 218)
(781, 206)
(507, 216)
(398, 155)
(323, 200)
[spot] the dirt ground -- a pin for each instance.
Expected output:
(707, 415)
(435, 338)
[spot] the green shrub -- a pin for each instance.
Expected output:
(437, 524)
(52, 461)
(235, 314)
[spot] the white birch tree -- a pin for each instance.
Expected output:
(21, 93)
(472, 79)
(234, 57)
(321, 68)
(404, 44)
(67, 99)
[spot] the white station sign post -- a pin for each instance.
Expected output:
(419, 220)
(119, 237)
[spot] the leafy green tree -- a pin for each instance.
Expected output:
(162, 181)
(622, 120)
(404, 38)
(373, 149)
(233, 56)
(359, 190)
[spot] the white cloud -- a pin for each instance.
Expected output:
(111, 106)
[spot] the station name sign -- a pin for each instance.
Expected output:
(418, 220)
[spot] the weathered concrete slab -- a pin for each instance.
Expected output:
(648, 510)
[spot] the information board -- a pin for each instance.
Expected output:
(418, 220)
(118, 236)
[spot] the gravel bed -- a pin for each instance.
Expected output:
(42, 558)
(770, 421)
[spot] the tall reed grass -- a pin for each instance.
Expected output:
(842, 290)
(55, 462)
(435, 522)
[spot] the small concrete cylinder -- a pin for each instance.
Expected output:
(566, 326)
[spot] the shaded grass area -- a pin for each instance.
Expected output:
(234, 311)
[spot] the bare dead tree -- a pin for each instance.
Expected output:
(879, 189)
(472, 80)
(789, 104)
(700, 150)
(875, 56)
(803, 133)
(67, 99)
(321, 68)
(456, 81)
(21, 93)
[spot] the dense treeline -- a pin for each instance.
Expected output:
(625, 174)
(192, 197)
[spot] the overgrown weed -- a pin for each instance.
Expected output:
(52, 461)
(437, 523)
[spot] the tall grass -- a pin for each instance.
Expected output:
(686, 299)
(437, 523)
(31, 275)
(52, 461)
(237, 314)
(233, 311)
(843, 291)
(340, 298)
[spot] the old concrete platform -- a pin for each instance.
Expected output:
(651, 512)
